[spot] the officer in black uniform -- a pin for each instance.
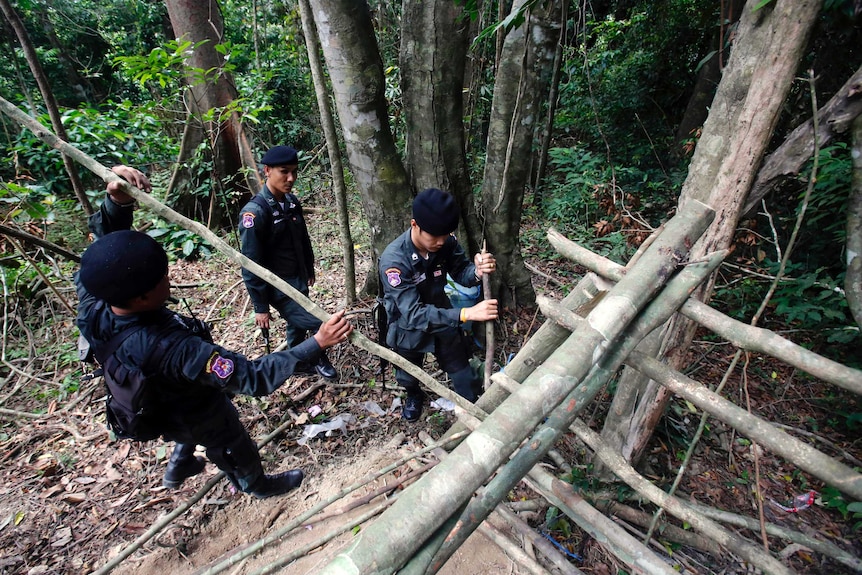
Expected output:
(273, 233)
(422, 320)
(128, 271)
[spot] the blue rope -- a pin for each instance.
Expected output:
(556, 543)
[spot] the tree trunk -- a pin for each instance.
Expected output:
(198, 22)
(432, 60)
(708, 76)
(853, 277)
(356, 73)
(766, 54)
(48, 96)
(328, 123)
(548, 130)
(520, 90)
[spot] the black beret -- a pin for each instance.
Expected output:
(435, 212)
(122, 265)
(280, 156)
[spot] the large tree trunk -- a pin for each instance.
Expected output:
(744, 112)
(48, 96)
(328, 122)
(201, 21)
(520, 90)
(432, 60)
(356, 72)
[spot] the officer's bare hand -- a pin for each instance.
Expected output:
(334, 331)
(482, 311)
(135, 177)
(261, 320)
(485, 264)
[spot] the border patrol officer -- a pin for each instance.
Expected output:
(273, 233)
(123, 282)
(413, 271)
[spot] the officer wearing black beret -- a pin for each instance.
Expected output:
(273, 233)
(123, 286)
(413, 271)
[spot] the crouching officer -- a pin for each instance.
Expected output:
(122, 287)
(422, 320)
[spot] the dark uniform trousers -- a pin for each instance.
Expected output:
(450, 350)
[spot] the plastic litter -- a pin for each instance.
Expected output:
(800, 502)
(337, 423)
(374, 408)
(443, 404)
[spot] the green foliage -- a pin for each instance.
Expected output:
(806, 299)
(825, 217)
(165, 65)
(178, 242)
(119, 133)
(833, 499)
(620, 89)
(556, 521)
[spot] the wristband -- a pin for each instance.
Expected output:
(463, 315)
(126, 205)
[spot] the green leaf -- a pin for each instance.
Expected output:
(188, 247)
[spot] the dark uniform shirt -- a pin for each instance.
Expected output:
(278, 240)
(194, 374)
(413, 291)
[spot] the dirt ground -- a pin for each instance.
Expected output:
(71, 499)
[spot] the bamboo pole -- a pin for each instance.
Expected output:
(389, 541)
(738, 333)
(489, 331)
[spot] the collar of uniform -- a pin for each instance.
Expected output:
(270, 199)
(409, 248)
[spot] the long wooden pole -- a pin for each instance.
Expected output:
(489, 328)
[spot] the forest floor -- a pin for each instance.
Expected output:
(72, 500)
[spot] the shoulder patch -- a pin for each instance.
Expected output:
(222, 367)
(393, 276)
(248, 219)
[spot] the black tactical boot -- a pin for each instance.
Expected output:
(412, 408)
(278, 484)
(182, 465)
(324, 368)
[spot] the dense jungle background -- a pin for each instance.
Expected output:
(596, 120)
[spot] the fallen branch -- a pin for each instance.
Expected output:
(305, 549)
(36, 240)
